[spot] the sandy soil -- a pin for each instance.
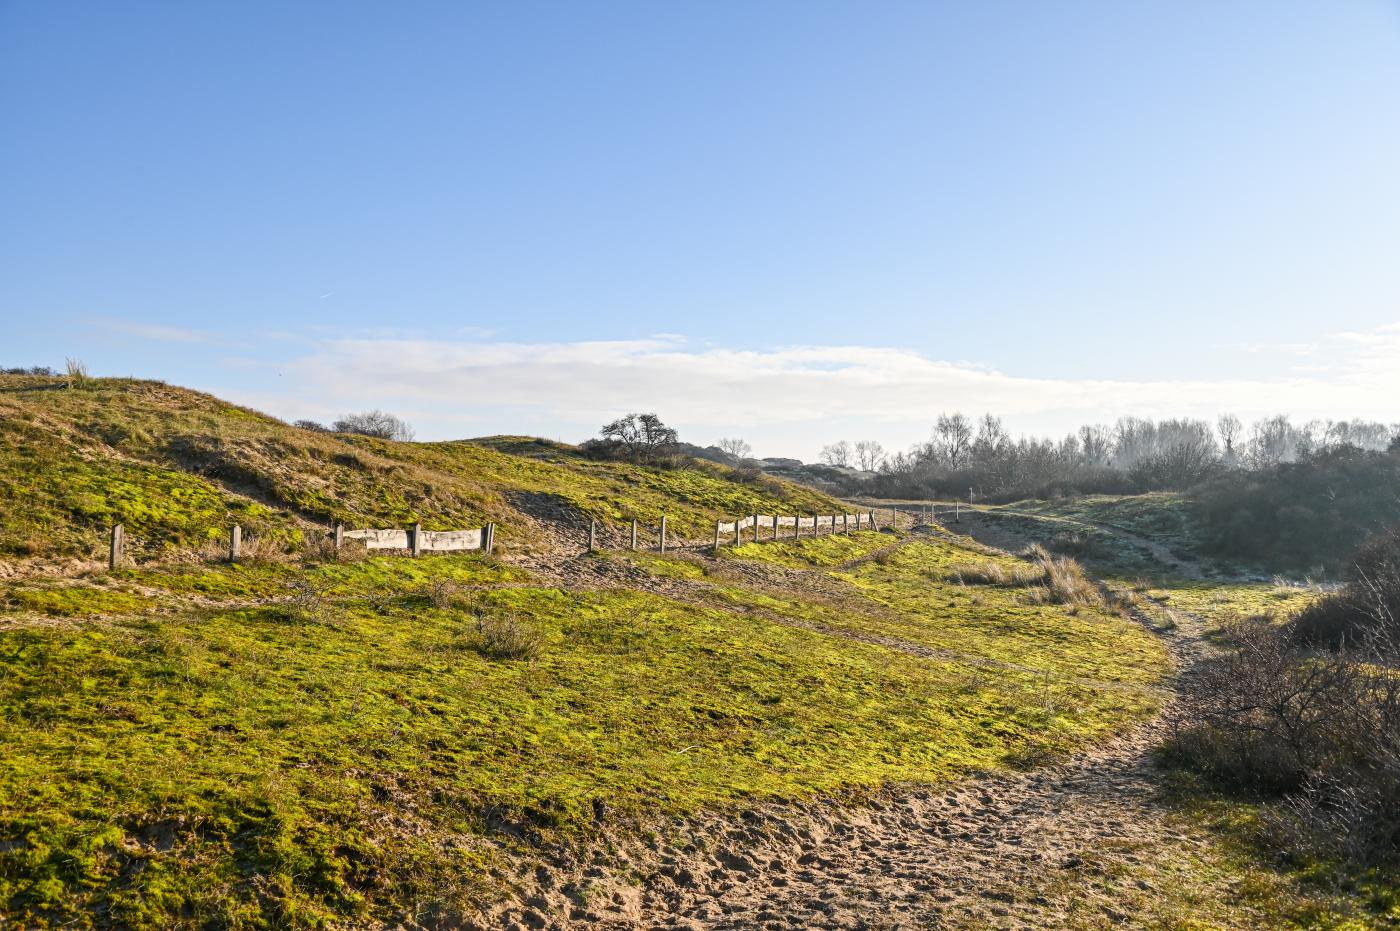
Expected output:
(1085, 843)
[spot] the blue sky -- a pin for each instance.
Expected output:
(795, 222)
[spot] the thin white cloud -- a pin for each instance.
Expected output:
(154, 331)
(798, 395)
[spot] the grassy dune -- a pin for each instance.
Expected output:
(267, 759)
(177, 468)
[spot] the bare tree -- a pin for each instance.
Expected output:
(1272, 441)
(1229, 428)
(869, 455)
(837, 454)
(375, 423)
(1095, 444)
(642, 437)
(953, 439)
(736, 447)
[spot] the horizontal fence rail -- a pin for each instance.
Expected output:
(759, 527)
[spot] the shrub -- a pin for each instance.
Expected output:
(312, 425)
(375, 423)
(1322, 732)
(1365, 612)
(31, 370)
(507, 637)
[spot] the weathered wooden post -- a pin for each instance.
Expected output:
(663, 533)
(755, 526)
(718, 525)
(339, 537)
(415, 539)
(117, 554)
(634, 533)
(738, 533)
(235, 543)
(775, 527)
(857, 521)
(957, 511)
(592, 534)
(846, 523)
(488, 538)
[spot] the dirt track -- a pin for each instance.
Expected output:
(1086, 843)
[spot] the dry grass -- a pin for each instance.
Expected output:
(78, 377)
(508, 637)
(995, 573)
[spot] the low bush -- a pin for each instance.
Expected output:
(1320, 732)
(506, 636)
(1364, 614)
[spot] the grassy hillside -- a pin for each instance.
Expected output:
(177, 468)
(284, 745)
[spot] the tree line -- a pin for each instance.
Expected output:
(965, 454)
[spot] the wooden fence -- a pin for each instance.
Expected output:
(416, 540)
(778, 524)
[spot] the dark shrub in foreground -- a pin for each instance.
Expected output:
(1365, 613)
(1321, 732)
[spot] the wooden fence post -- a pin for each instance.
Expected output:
(117, 554)
(339, 536)
(845, 523)
(755, 527)
(718, 525)
(592, 534)
(738, 534)
(634, 533)
(663, 533)
(415, 539)
(488, 537)
(775, 527)
(235, 543)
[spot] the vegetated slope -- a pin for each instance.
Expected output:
(178, 467)
(401, 741)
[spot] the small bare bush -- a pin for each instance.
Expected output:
(307, 605)
(262, 549)
(321, 549)
(507, 637)
(443, 593)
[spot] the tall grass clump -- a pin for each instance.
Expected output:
(78, 377)
(1063, 580)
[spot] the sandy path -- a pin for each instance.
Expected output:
(1086, 843)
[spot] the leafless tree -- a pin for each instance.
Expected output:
(375, 423)
(1229, 428)
(869, 455)
(1272, 441)
(837, 454)
(643, 437)
(1095, 444)
(952, 437)
(736, 447)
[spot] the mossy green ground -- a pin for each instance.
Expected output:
(362, 758)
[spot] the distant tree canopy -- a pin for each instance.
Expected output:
(639, 438)
(375, 423)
